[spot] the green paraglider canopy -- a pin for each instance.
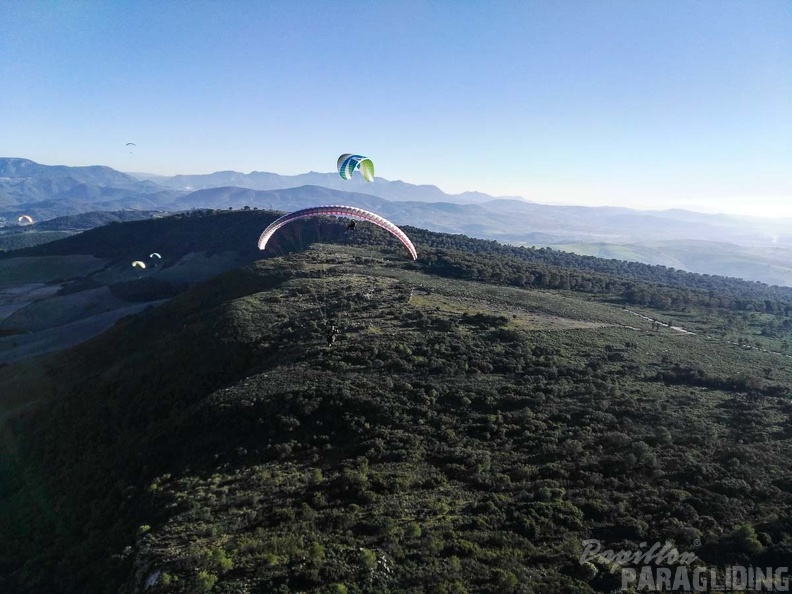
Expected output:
(347, 164)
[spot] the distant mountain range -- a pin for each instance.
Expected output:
(755, 249)
(260, 180)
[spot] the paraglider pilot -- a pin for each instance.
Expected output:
(331, 335)
(351, 226)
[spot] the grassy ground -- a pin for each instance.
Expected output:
(42, 269)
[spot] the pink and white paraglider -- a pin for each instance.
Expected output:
(338, 211)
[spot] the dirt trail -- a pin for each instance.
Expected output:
(679, 329)
(707, 336)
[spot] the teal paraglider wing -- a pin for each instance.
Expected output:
(348, 164)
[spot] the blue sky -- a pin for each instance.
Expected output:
(641, 103)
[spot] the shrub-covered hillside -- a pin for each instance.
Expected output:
(462, 434)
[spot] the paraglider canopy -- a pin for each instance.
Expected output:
(25, 219)
(131, 144)
(339, 211)
(155, 255)
(139, 264)
(348, 164)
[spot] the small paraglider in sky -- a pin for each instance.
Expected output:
(129, 145)
(348, 164)
(153, 259)
(138, 264)
(25, 219)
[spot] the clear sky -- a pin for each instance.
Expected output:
(640, 103)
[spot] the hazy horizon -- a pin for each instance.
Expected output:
(746, 212)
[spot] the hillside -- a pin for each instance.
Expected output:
(49, 191)
(483, 411)
(19, 237)
(81, 285)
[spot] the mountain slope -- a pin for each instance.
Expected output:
(383, 188)
(459, 436)
(48, 191)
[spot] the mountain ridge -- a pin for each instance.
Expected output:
(516, 221)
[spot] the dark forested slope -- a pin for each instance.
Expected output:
(460, 436)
